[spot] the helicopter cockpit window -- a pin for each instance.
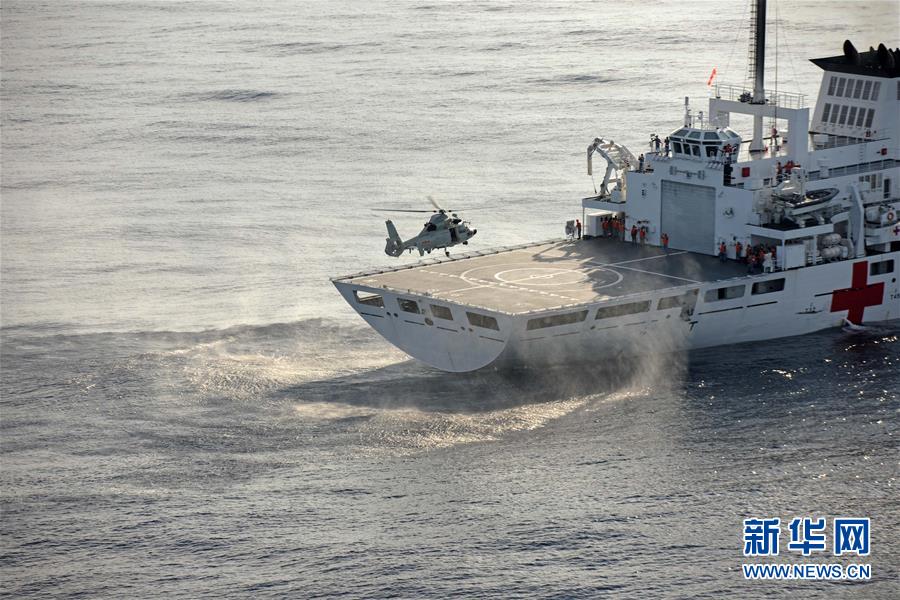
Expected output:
(410, 306)
(369, 299)
(441, 312)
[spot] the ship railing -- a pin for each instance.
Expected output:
(854, 169)
(739, 93)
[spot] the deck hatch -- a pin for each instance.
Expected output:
(621, 310)
(483, 321)
(556, 320)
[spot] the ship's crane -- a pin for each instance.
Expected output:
(618, 158)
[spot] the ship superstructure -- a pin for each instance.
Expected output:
(791, 231)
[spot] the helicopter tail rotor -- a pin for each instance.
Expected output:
(393, 243)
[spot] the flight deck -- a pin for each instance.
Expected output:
(552, 274)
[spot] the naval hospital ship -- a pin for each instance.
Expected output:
(833, 222)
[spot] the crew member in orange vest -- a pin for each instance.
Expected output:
(634, 234)
(738, 250)
(665, 242)
(643, 235)
(723, 252)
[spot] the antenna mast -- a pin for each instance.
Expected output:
(758, 67)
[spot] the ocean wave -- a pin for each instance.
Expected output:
(575, 79)
(233, 95)
(291, 48)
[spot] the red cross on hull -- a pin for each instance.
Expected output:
(859, 295)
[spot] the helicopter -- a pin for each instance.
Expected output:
(443, 230)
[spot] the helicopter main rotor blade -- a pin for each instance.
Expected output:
(396, 210)
(434, 203)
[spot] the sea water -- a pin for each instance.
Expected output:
(190, 409)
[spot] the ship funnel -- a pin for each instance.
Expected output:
(850, 53)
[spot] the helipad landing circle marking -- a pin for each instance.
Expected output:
(540, 276)
(492, 277)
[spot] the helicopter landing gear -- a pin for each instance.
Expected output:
(447, 253)
(466, 243)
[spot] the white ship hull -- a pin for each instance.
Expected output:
(812, 299)
(815, 205)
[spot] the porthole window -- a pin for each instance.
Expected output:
(621, 310)
(369, 299)
(483, 321)
(881, 268)
(441, 312)
(410, 306)
(724, 293)
(767, 287)
(556, 320)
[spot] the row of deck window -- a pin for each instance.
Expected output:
(850, 116)
(730, 292)
(438, 311)
(847, 87)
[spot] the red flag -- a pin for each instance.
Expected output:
(711, 77)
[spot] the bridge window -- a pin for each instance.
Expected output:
(834, 114)
(832, 82)
(556, 320)
(870, 114)
(677, 146)
(767, 287)
(410, 306)
(441, 312)
(851, 117)
(483, 321)
(843, 117)
(858, 90)
(695, 149)
(620, 310)
(849, 89)
(840, 88)
(724, 293)
(880, 268)
(866, 88)
(876, 85)
(369, 299)
(826, 111)
(860, 117)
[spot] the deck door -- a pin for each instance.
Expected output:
(688, 216)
